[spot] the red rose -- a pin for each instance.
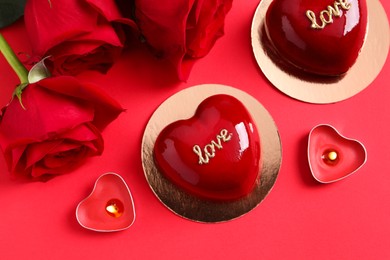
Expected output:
(181, 30)
(76, 34)
(59, 128)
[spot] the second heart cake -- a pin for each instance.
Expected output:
(322, 37)
(215, 155)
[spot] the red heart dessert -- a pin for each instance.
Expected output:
(109, 207)
(214, 155)
(332, 156)
(321, 37)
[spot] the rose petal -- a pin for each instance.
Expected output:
(55, 166)
(87, 135)
(70, 140)
(64, 158)
(81, 133)
(103, 33)
(70, 158)
(57, 129)
(182, 30)
(51, 22)
(110, 11)
(106, 108)
(13, 157)
(80, 28)
(164, 27)
(209, 27)
(36, 151)
(99, 57)
(46, 112)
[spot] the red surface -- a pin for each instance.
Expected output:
(300, 219)
(223, 129)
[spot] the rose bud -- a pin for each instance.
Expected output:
(76, 35)
(183, 30)
(58, 128)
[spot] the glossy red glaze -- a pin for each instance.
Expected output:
(328, 51)
(233, 168)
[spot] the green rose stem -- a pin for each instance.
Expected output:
(16, 65)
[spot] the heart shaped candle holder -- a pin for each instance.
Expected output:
(109, 207)
(333, 157)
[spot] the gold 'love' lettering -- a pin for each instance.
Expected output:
(326, 16)
(210, 149)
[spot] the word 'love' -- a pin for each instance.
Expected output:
(210, 149)
(326, 16)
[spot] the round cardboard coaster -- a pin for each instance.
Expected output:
(182, 105)
(322, 90)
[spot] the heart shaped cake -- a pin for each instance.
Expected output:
(321, 37)
(214, 155)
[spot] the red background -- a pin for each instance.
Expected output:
(300, 219)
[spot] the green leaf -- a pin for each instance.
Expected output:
(38, 72)
(10, 11)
